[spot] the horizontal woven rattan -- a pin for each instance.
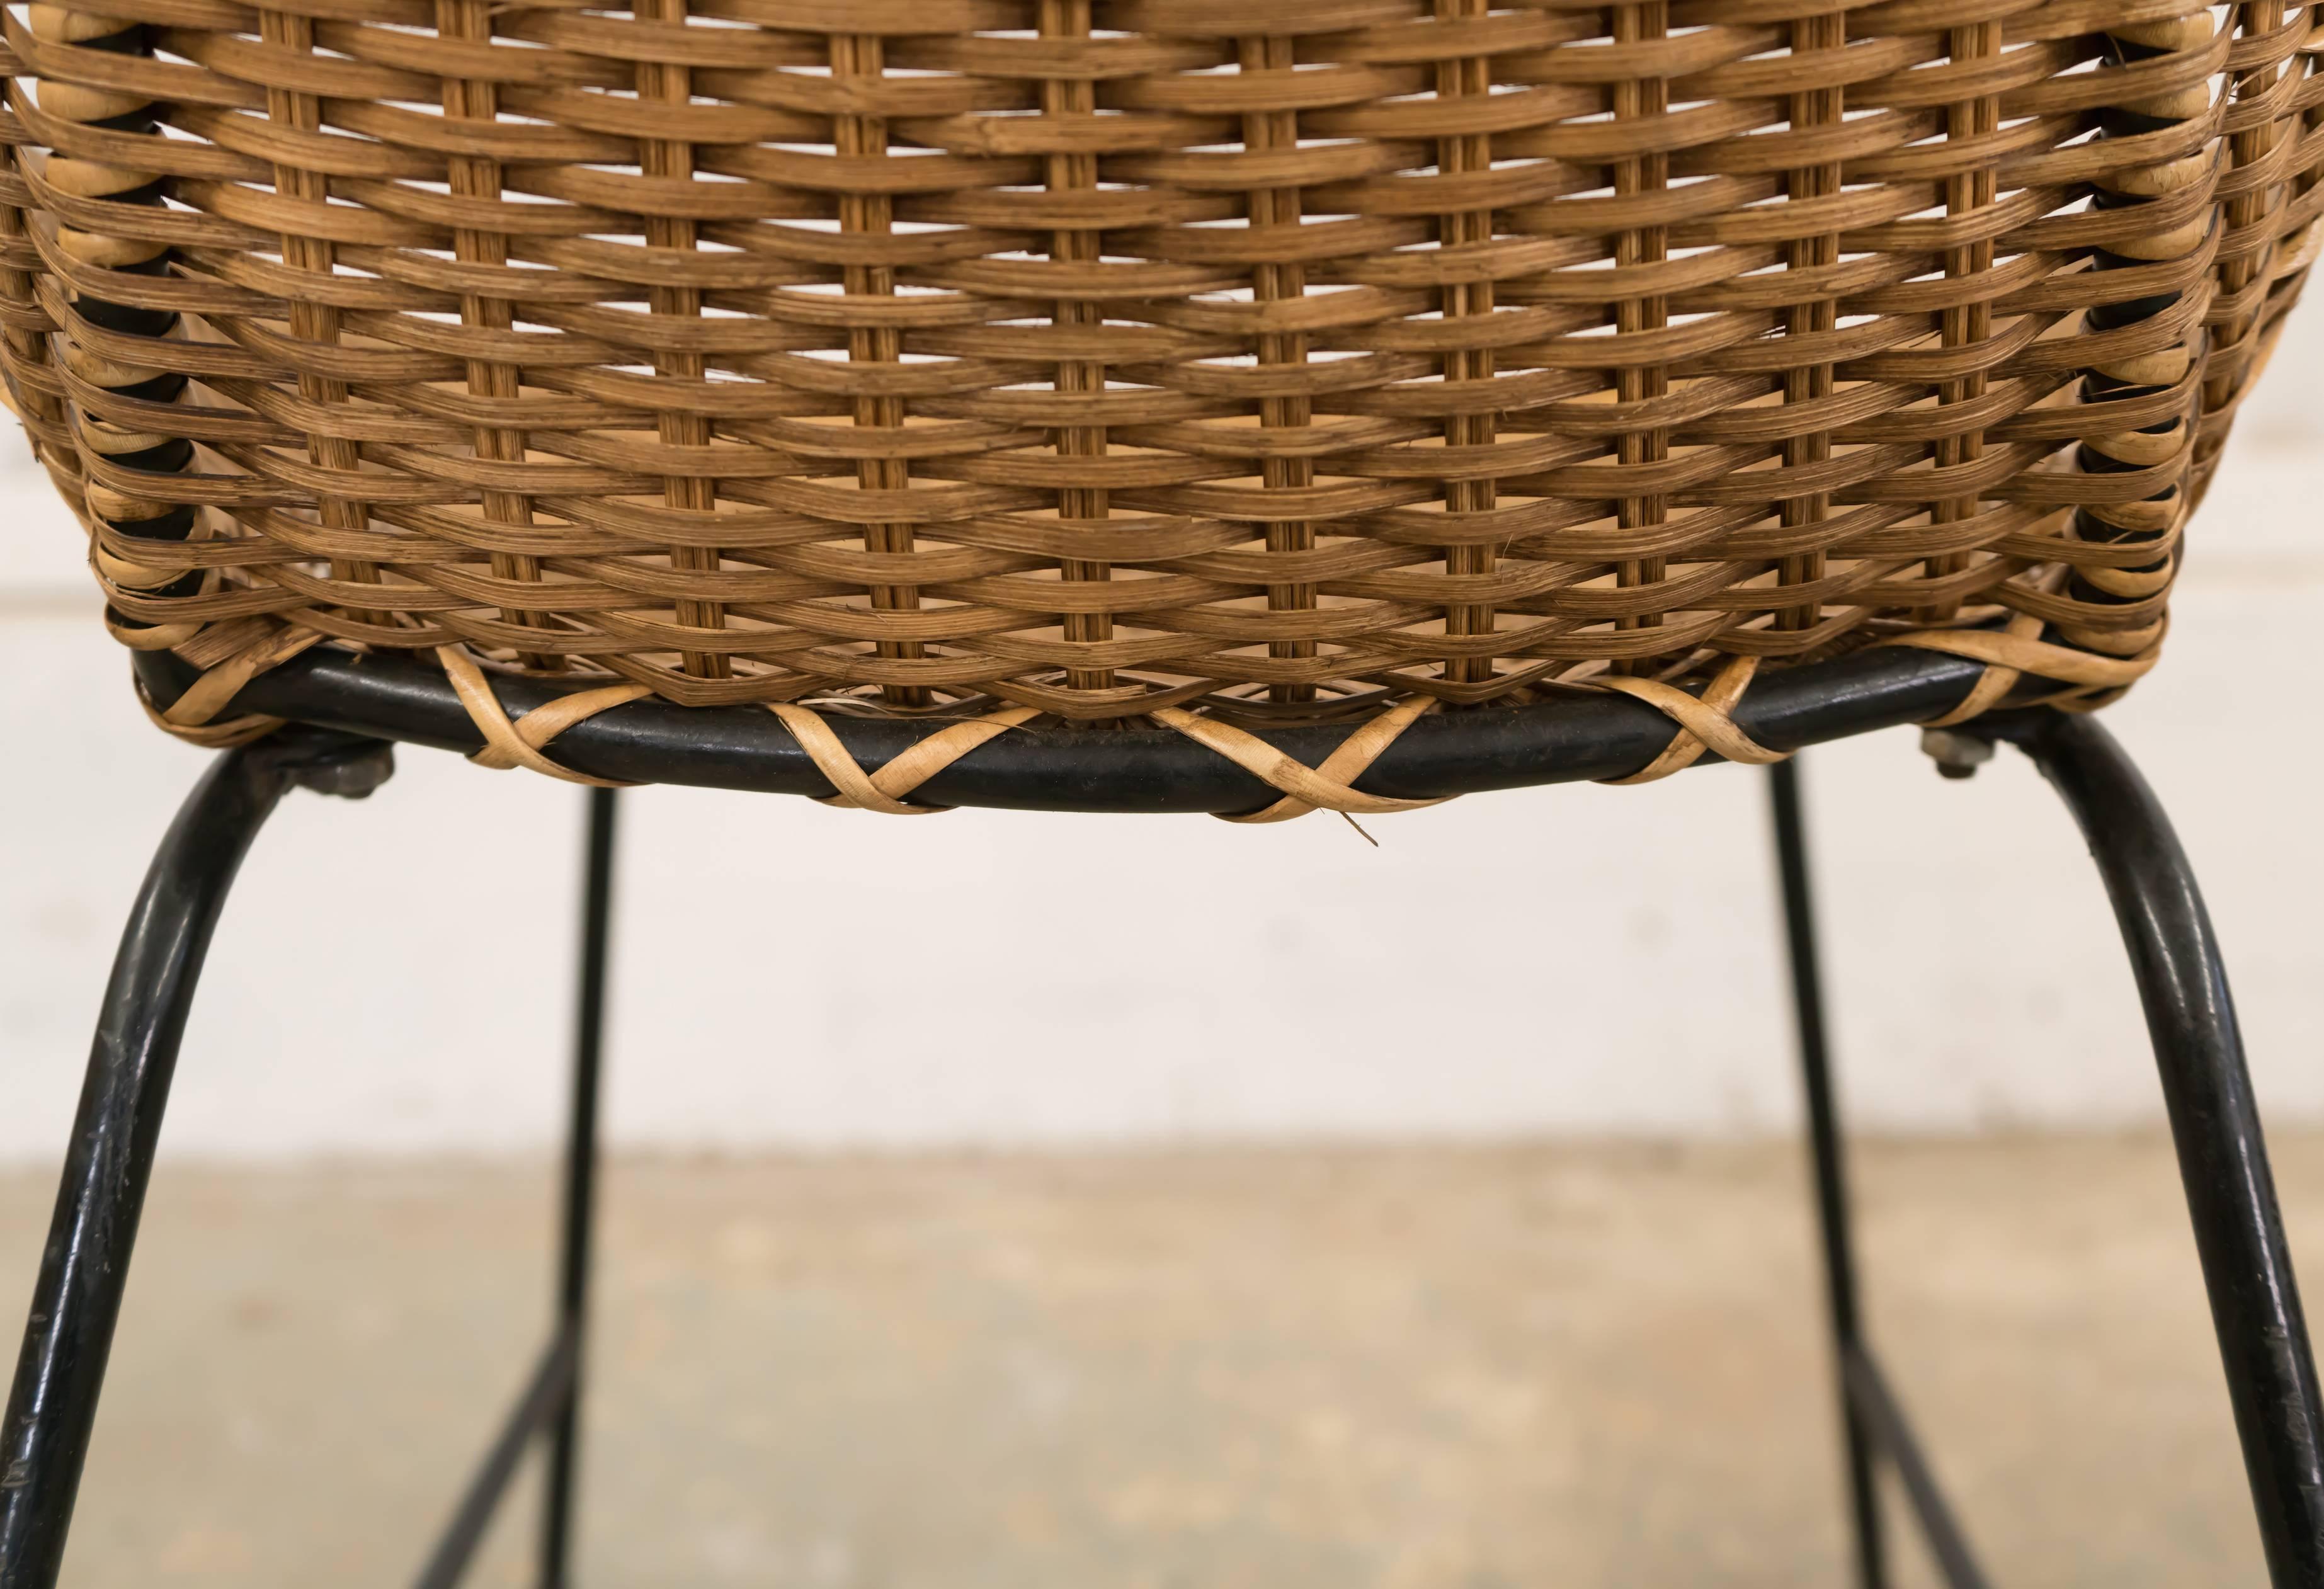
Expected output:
(1160, 361)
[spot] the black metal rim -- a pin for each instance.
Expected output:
(1568, 739)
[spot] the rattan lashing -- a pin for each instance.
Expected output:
(1211, 365)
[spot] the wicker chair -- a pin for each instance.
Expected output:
(1147, 405)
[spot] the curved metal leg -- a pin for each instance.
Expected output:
(1831, 1168)
(77, 1301)
(2215, 1126)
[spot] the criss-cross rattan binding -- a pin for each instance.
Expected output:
(1116, 358)
(1701, 724)
(1330, 786)
(2011, 653)
(521, 741)
(1703, 721)
(885, 790)
(517, 742)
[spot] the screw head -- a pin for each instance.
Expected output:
(352, 776)
(1956, 754)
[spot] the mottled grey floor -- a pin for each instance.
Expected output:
(1474, 1369)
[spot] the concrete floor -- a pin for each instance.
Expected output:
(1423, 1367)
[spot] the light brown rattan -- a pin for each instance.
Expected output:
(1203, 362)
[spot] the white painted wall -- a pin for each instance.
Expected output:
(393, 978)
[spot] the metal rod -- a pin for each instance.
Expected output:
(1876, 1404)
(2215, 1125)
(580, 1184)
(551, 1388)
(1831, 1165)
(85, 1267)
(1570, 737)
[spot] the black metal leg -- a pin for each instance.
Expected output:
(77, 1301)
(1831, 1168)
(549, 1405)
(2215, 1125)
(580, 1183)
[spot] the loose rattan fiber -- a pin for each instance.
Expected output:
(1180, 360)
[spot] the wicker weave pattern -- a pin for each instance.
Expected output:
(1278, 360)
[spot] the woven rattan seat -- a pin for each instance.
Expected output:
(1157, 364)
(1242, 406)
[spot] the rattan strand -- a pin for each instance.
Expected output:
(1215, 365)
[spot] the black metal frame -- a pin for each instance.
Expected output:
(351, 705)
(1577, 737)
